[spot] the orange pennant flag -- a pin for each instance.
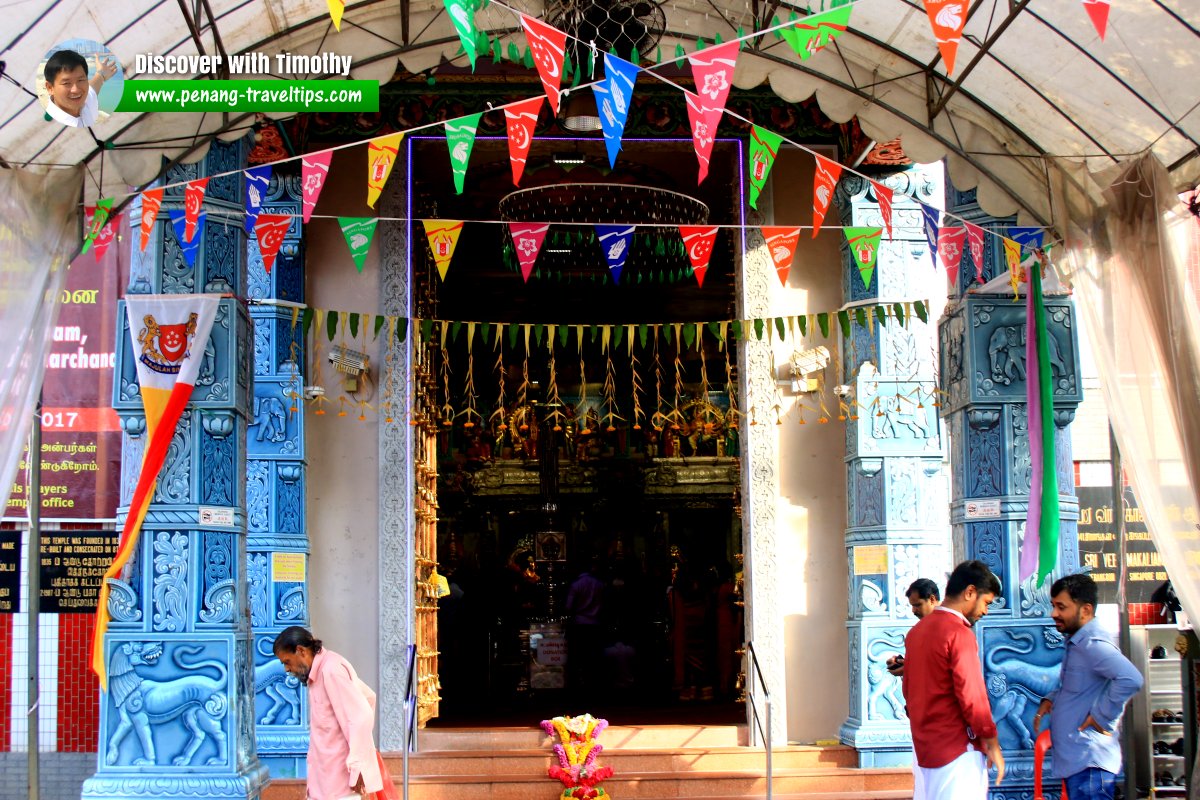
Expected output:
(151, 202)
(947, 18)
(781, 242)
(824, 183)
(381, 157)
(193, 198)
(443, 238)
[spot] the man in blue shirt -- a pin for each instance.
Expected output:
(1094, 685)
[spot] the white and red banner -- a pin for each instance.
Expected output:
(947, 18)
(151, 203)
(950, 250)
(781, 243)
(527, 241)
(713, 68)
(824, 183)
(313, 171)
(884, 195)
(703, 122)
(193, 199)
(521, 118)
(548, 46)
(975, 242)
(698, 240)
(270, 229)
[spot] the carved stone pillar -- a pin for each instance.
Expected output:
(983, 376)
(895, 483)
(178, 719)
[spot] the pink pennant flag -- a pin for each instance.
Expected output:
(781, 242)
(824, 182)
(313, 171)
(548, 46)
(521, 118)
(698, 239)
(527, 241)
(703, 121)
(1097, 10)
(947, 18)
(151, 202)
(193, 198)
(713, 68)
(884, 195)
(107, 233)
(950, 250)
(270, 229)
(975, 242)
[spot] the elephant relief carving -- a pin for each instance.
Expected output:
(270, 417)
(281, 690)
(882, 685)
(897, 414)
(1006, 354)
(1015, 683)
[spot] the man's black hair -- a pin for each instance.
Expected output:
(1080, 587)
(293, 637)
(972, 573)
(64, 61)
(924, 589)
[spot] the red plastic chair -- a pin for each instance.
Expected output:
(1039, 756)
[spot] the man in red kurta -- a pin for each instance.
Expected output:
(954, 735)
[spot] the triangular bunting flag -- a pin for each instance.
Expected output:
(712, 69)
(698, 241)
(96, 222)
(193, 198)
(179, 223)
(764, 146)
(521, 118)
(313, 171)
(1028, 238)
(443, 238)
(812, 33)
(381, 157)
(462, 16)
(975, 242)
(1012, 259)
(460, 138)
(613, 99)
(864, 246)
(336, 9)
(703, 121)
(548, 46)
(527, 241)
(884, 195)
(781, 242)
(931, 216)
(824, 183)
(947, 18)
(151, 203)
(950, 250)
(615, 241)
(358, 232)
(1097, 11)
(108, 228)
(270, 229)
(258, 179)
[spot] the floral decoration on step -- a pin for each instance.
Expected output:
(576, 747)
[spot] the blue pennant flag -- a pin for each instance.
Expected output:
(931, 216)
(614, 95)
(180, 224)
(615, 241)
(257, 181)
(1028, 238)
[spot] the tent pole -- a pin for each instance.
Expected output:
(33, 594)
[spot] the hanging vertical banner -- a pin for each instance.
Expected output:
(931, 216)
(703, 121)
(460, 138)
(615, 241)
(698, 240)
(257, 181)
(314, 168)
(864, 246)
(358, 232)
(462, 16)
(443, 238)
(613, 97)
(884, 195)
(764, 146)
(950, 250)
(712, 69)
(151, 203)
(336, 9)
(171, 333)
(96, 218)
(781, 242)
(270, 229)
(99, 217)
(179, 223)
(824, 183)
(193, 198)
(812, 33)
(520, 119)
(548, 47)
(527, 241)
(381, 157)
(1097, 11)
(975, 242)
(947, 18)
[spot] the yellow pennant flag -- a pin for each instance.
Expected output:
(1012, 255)
(443, 238)
(381, 157)
(336, 8)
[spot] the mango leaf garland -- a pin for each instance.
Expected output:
(527, 241)
(764, 146)
(947, 18)
(270, 230)
(703, 122)
(520, 120)
(443, 238)
(615, 241)
(193, 198)
(258, 179)
(613, 99)
(864, 246)
(781, 243)
(358, 232)
(548, 46)
(812, 33)
(713, 69)
(151, 203)
(460, 138)
(698, 240)
(950, 250)
(381, 157)
(825, 181)
(313, 171)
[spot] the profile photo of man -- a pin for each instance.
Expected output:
(73, 97)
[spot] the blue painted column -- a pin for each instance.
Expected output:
(896, 485)
(178, 719)
(982, 345)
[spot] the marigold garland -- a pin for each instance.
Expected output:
(575, 750)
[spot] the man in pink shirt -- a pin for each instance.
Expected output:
(342, 760)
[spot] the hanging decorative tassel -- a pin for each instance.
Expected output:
(659, 420)
(496, 420)
(610, 396)
(470, 414)
(553, 401)
(635, 382)
(447, 408)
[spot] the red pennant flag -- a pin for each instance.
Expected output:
(270, 230)
(698, 239)
(713, 68)
(313, 171)
(151, 202)
(975, 241)
(548, 46)
(824, 182)
(107, 233)
(703, 121)
(1098, 11)
(193, 198)
(521, 118)
(527, 241)
(781, 242)
(950, 250)
(947, 18)
(884, 195)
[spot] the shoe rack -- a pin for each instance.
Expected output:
(1165, 702)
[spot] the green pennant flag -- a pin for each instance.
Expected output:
(810, 34)
(460, 138)
(764, 145)
(864, 246)
(823, 321)
(844, 322)
(462, 16)
(99, 217)
(359, 231)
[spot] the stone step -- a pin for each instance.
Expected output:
(615, 736)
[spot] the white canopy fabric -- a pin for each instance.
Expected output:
(1042, 101)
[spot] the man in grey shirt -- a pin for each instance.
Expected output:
(1094, 685)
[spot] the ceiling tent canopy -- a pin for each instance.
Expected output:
(1035, 99)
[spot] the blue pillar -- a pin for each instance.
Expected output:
(178, 718)
(982, 345)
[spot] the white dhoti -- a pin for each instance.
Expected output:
(964, 778)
